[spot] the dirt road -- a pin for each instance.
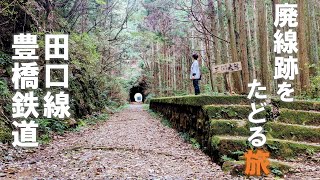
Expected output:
(130, 145)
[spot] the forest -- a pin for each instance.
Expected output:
(120, 47)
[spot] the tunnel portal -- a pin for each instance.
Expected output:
(141, 86)
(137, 89)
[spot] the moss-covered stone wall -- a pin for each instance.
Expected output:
(221, 127)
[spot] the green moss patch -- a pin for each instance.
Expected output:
(292, 132)
(229, 127)
(272, 130)
(278, 168)
(299, 117)
(298, 105)
(202, 100)
(228, 111)
(279, 149)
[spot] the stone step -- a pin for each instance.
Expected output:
(298, 105)
(276, 167)
(300, 117)
(272, 129)
(231, 112)
(202, 100)
(278, 148)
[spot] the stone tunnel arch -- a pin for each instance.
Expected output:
(134, 90)
(140, 87)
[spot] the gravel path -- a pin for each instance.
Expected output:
(130, 145)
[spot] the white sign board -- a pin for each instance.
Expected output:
(230, 67)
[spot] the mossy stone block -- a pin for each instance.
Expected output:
(279, 149)
(202, 100)
(299, 117)
(298, 105)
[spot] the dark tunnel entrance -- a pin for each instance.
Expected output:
(140, 87)
(134, 90)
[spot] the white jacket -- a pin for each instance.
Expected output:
(195, 70)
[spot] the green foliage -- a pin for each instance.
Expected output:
(88, 57)
(195, 143)
(141, 64)
(145, 106)
(238, 153)
(45, 139)
(180, 93)
(310, 151)
(186, 137)
(148, 98)
(4, 91)
(5, 60)
(82, 123)
(276, 172)
(5, 110)
(51, 125)
(5, 132)
(7, 8)
(166, 122)
(122, 107)
(315, 88)
(91, 89)
(101, 2)
(215, 141)
(207, 89)
(226, 158)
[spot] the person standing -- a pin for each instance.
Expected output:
(195, 74)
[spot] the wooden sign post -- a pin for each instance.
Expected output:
(227, 69)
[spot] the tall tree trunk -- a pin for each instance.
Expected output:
(156, 70)
(314, 54)
(234, 54)
(255, 38)
(263, 46)
(278, 81)
(243, 47)
(302, 54)
(215, 42)
(208, 53)
(224, 58)
(253, 73)
(159, 71)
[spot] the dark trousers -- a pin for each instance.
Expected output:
(196, 86)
